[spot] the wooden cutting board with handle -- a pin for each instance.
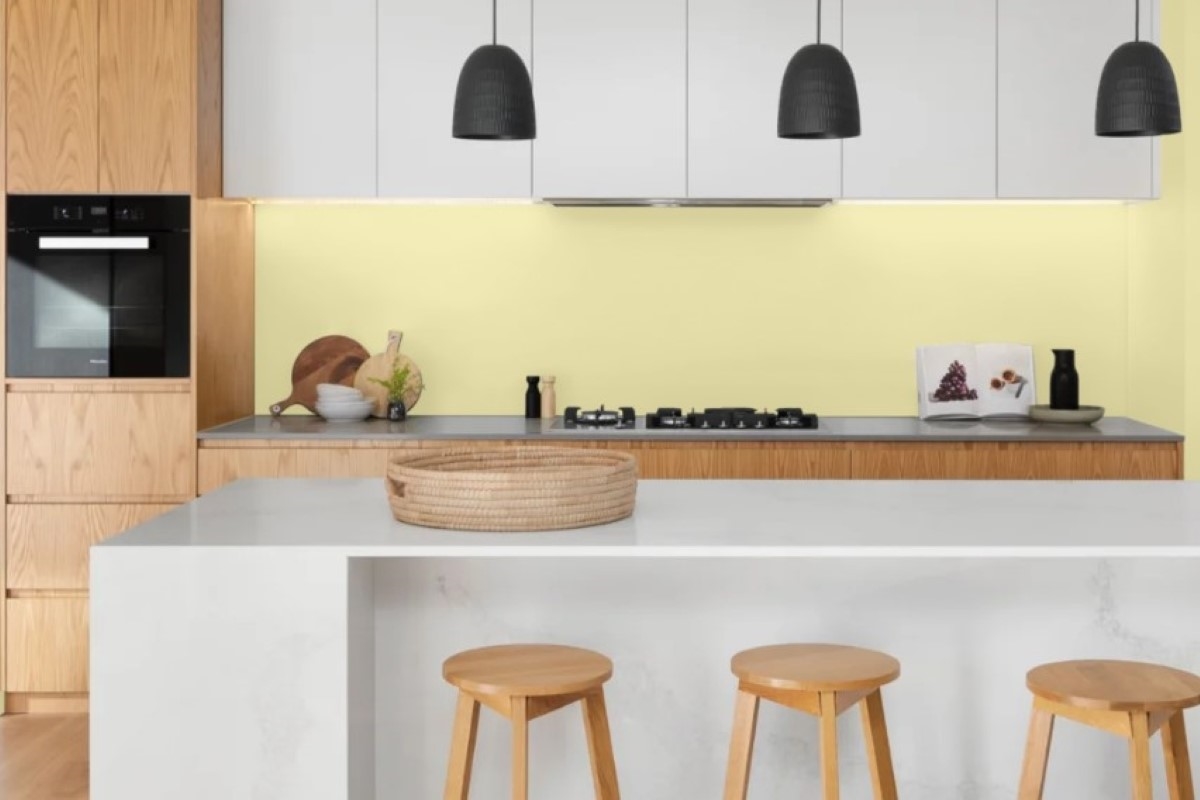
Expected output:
(330, 359)
(380, 367)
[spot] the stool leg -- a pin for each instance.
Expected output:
(741, 746)
(1175, 752)
(1037, 754)
(462, 748)
(879, 751)
(829, 748)
(520, 748)
(1139, 756)
(604, 766)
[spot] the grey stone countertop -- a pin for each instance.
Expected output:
(832, 429)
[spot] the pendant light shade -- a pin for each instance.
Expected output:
(1138, 95)
(819, 96)
(495, 96)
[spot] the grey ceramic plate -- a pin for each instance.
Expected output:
(1084, 415)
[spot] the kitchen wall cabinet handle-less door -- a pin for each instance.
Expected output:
(926, 74)
(422, 47)
(1051, 56)
(146, 63)
(610, 84)
(52, 95)
(737, 54)
(300, 98)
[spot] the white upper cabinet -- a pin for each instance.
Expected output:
(299, 98)
(926, 73)
(737, 54)
(422, 48)
(610, 85)
(1051, 56)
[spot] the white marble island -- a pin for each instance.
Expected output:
(283, 639)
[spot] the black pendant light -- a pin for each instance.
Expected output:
(819, 96)
(495, 95)
(1138, 95)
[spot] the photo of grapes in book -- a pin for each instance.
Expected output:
(954, 385)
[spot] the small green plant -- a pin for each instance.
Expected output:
(396, 383)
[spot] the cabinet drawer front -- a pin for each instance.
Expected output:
(47, 645)
(1031, 461)
(100, 445)
(219, 467)
(48, 544)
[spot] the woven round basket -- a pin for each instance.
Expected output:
(512, 489)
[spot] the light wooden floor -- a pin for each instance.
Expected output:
(44, 757)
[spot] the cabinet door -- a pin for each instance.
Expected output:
(51, 90)
(300, 99)
(926, 74)
(1051, 55)
(101, 446)
(47, 641)
(610, 85)
(422, 47)
(146, 58)
(48, 543)
(737, 54)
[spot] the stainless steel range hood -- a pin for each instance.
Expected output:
(684, 202)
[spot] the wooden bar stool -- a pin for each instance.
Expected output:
(523, 682)
(1128, 698)
(819, 679)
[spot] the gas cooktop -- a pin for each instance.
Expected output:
(716, 419)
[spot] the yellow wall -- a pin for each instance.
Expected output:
(667, 306)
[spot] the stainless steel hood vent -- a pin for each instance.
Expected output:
(687, 202)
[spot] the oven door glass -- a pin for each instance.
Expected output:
(77, 308)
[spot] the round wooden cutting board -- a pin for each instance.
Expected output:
(330, 359)
(380, 367)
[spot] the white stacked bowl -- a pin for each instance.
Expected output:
(337, 403)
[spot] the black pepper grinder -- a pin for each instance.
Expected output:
(1064, 381)
(533, 398)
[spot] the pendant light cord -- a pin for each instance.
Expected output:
(819, 21)
(1137, 20)
(493, 21)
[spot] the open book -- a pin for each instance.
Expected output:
(980, 381)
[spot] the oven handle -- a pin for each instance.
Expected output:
(93, 242)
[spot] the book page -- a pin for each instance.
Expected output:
(1006, 380)
(947, 386)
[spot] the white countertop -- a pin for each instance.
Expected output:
(351, 518)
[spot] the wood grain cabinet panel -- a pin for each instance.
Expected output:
(1032, 461)
(219, 467)
(88, 446)
(47, 645)
(51, 126)
(145, 96)
(48, 544)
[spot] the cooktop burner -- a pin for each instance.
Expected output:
(732, 419)
(602, 417)
(719, 419)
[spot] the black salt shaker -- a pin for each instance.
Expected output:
(533, 398)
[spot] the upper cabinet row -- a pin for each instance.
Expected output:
(961, 99)
(113, 96)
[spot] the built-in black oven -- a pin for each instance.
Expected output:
(98, 287)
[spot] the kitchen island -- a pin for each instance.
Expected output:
(283, 639)
(865, 448)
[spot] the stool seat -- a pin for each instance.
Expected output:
(527, 670)
(815, 667)
(1115, 685)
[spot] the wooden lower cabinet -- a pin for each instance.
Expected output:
(48, 544)
(47, 645)
(220, 463)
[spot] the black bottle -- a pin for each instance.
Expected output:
(1064, 381)
(533, 398)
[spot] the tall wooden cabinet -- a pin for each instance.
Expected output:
(112, 96)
